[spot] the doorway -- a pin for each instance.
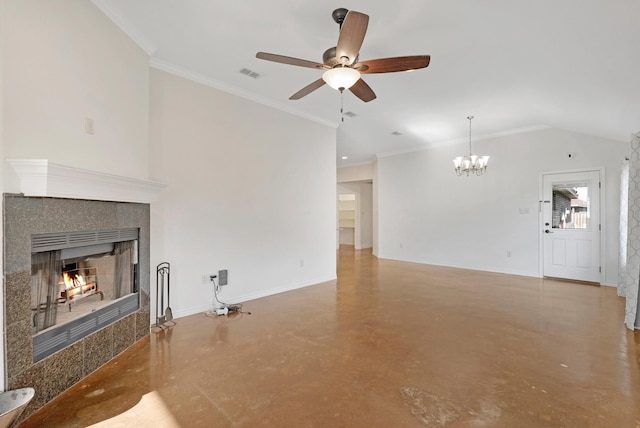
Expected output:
(347, 203)
(354, 214)
(571, 227)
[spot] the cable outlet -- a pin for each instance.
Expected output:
(224, 277)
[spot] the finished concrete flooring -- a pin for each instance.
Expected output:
(389, 344)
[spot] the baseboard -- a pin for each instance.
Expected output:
(272, 291)
(248, 297)
(460, 266)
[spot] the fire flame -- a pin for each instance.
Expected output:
(73, 282)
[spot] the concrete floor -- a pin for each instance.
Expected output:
(389, 344)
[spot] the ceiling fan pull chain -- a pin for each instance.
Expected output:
(342, 103)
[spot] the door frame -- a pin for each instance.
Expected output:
(356, 223)
(603, 227)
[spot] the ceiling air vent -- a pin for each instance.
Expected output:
(396, 133)
(249, 73)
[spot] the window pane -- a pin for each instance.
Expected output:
(571, 205)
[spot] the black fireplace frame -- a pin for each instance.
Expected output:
(58, 337)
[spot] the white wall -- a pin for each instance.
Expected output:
(347, 236)
(64, 62)
(60, 62)
(427, 214)
(366, 214)
(362, 172)
(374, 203)
(250, 189)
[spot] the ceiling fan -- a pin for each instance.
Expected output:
(342, 64)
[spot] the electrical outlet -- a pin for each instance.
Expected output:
(88, 126)
(204, 279)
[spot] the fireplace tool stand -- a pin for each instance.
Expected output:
(164, 317)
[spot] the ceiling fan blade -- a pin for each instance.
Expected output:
(390, 65)
(351, 36)
(289, 60)
(307, 89)
(363, 91)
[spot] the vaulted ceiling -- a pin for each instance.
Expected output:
(514, 65)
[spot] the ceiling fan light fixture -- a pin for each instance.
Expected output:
(342, 64)
(341, 77)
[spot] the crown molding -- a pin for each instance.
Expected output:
(442, 143)
(43, 178)
(199, 78)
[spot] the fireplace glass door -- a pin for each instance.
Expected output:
(76, 280)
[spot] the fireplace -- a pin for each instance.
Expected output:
(63, 332)
(80, 282)
(61, 199)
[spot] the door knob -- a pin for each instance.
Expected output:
(547, 231)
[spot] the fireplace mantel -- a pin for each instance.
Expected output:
(43, 178)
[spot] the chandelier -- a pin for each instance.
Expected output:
(470, 164)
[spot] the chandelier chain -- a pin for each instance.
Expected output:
(470, 119)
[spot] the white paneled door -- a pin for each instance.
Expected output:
(571, 225)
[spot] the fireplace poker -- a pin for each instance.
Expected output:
(161, 271)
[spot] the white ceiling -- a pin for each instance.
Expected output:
(514, 65)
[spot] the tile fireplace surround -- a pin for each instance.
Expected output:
(24, 216)
(36, 212)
